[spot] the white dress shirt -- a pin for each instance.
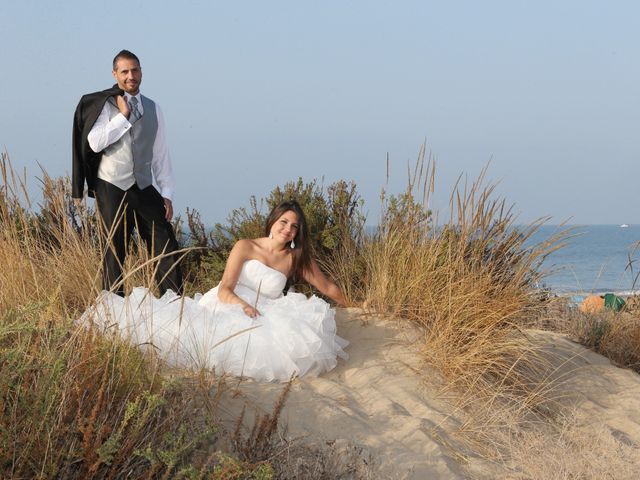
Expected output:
(106, 132)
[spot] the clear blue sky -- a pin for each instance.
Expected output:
(256, 93)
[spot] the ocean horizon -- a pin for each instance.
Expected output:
(597, 258)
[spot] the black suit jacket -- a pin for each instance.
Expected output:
(86, 161)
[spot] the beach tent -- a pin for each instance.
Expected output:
(597, 303)
(613, 302)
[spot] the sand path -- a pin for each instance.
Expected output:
(378, 403)
(600, 393)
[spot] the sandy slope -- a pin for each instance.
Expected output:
(377, 403)
(600, 392)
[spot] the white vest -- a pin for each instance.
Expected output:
(128, 161)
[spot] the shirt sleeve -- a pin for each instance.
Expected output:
(106, 132)
(161, 162)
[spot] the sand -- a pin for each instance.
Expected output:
(383, 404)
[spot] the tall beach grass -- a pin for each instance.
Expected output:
(470, 285)
(75, 403)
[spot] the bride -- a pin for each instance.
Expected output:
(247, 325)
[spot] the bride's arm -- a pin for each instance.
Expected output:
(239, 254)
(315, 277)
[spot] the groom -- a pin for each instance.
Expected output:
(119, 149)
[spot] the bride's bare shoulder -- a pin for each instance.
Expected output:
(248, 244)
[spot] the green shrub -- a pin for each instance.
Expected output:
(334, 218)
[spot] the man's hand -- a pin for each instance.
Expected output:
(168, 209)
(79, 208)
(123, 106)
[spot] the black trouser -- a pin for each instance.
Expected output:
(122, 210)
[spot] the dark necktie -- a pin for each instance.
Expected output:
(134, 114)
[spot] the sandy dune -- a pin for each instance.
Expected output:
(601, 392)
(378, 405)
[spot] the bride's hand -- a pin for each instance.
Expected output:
(250, 311)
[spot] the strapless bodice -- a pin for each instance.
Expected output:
(258, 277)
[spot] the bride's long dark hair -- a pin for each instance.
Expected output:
(301, 256)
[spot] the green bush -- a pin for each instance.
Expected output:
(334, 217)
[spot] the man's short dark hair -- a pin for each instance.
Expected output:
(125, 54)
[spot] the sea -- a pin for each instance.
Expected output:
(596, 259)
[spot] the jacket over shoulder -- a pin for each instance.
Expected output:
(85, 161)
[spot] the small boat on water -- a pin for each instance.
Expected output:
(624, 225)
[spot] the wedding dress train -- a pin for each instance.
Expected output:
(294, 335)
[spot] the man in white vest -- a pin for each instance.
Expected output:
(128, 151)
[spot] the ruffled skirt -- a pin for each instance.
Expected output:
(293, 336)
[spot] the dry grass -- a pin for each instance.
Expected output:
(264, 443)
(45, 257)
(616, 335)
(471, 288)
(75, 403)
(568, 450)
(565, 448)
(468, 286)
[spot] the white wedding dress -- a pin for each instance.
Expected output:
(293, 336)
